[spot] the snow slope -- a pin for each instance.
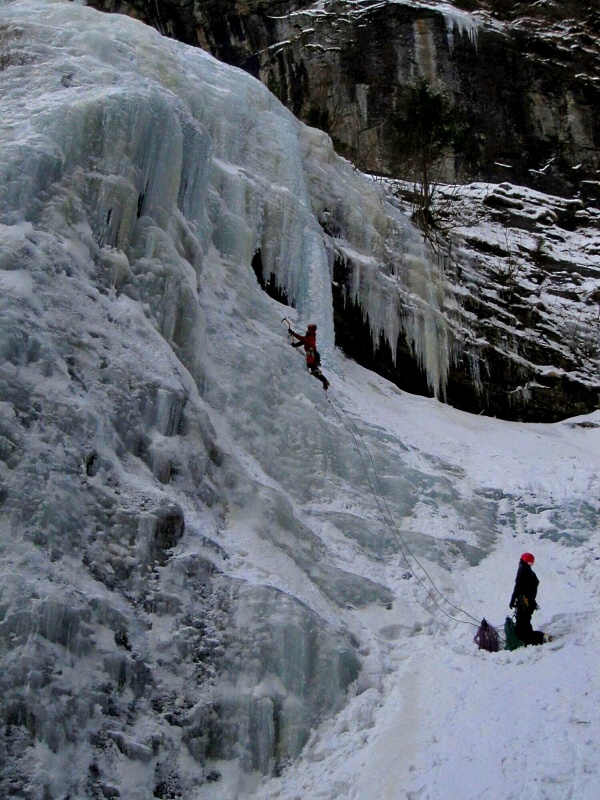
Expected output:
(453, 722)
(205, 572)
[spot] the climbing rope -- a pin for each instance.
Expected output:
(388, 518)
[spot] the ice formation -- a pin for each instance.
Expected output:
(465, 23)
(145, 382)
(454, 17)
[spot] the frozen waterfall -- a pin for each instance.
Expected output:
(170, 152)
(187, 531)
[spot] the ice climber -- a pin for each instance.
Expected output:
(313, 359)
(523, 601)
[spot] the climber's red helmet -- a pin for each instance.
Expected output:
(312, 327)
(528, 558)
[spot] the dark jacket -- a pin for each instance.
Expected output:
(525, 591)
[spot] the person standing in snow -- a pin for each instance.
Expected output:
(523, 601)
(313, 359)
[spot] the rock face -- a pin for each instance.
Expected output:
(524, 268)
(527, 86)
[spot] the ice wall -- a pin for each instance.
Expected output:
(209, 143)
(163, 500)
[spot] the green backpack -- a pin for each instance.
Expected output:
(510, 633)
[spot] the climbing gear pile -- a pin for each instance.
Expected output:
(487, 637)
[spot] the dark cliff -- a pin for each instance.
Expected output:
(527, 85)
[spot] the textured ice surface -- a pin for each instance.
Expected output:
(184, 151)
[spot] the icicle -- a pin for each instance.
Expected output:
(466, 24)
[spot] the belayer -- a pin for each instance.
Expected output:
(313, 359)
(523, 601)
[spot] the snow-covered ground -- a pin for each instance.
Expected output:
(198, 545)
(451, 721)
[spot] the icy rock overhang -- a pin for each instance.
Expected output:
(526, 270)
